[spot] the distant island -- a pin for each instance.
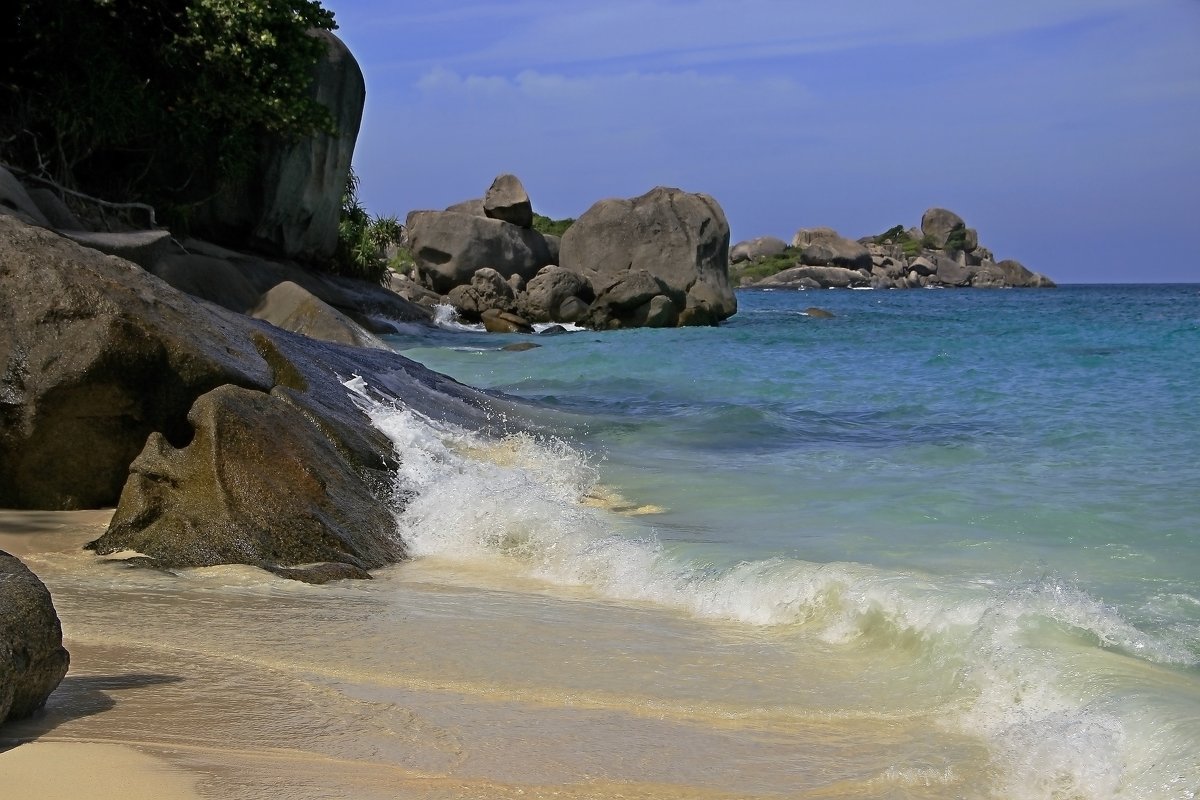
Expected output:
(942, 252)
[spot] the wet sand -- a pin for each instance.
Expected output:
(442, 680)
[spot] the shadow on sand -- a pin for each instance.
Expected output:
(75, 698)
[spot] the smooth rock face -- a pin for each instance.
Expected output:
(143, 248)
(213, 279)
(60, 216)
(813, 277)
(937, 224)
(96, 354)
(825, 247)
(755, 249)
(449, 247)
(295, 309)
(549, 289)
(15, 200)
(291, 202)
(681, 239)
(487, 290)
(474, 207)
(259, 483)
(507, 200)
(1009, 273)
(32, 658)
(496, 321)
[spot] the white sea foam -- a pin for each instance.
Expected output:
(445, 316)
(1027, 657)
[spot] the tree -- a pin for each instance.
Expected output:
(155, 100)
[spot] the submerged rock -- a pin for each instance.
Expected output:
(32, 658)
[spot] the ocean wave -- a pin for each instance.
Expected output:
(1031, 664)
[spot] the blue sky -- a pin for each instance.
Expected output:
(1066, 131)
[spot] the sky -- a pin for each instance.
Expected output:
(1067, 132)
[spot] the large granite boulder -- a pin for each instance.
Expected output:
(143, 248)
(825, 247)
(631, 300)
(507, 200)
(216, 280)
(449, 246)
(101, 361)
(15, 201)
(294, 308)
(680, 238)
(547, 291)
(756, 249)
(290, 201)
(1008, 273)
(938, 223)
(806, 277)
(257, 484)
(487, 290)
(950, 272)
(32, 658)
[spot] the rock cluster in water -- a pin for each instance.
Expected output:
(658, 260)
(943, 252)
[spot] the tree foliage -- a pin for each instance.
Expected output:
(156, 100)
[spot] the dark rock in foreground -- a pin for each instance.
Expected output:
(32, 658)
(102, 361)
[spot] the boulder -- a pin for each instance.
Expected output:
(938, 223)
(549, 289)
(1008, 273)
(616, 305)
(412, 291)
(923, 265)
(61, 217)
(824, 277)
(680, 238)
(951, 273)
(289, 203)
(496, 321)
(213, 279)
(96, 355)
(756, 249)
(32, 658)
(825, 247)
(259, 483)
(295, 309)
(573, 309)
(474, 207)
(519, 347)
(143, 248)
(449, 246)
(818, 313)
(487, 290)
(15, 201)
(507, 200)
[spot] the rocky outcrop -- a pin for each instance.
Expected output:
(548, 294)
(101, 361)
(15, 201)
(254, 485)
(507, 200)
(679, 238)
(824, 247)
(449, 246)
(289, 203)
(756, 249)
(938, 223)
(487, 290)
(32, 658)
(943, 252)
(293, 308)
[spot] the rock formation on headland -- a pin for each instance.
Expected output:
(658, 260)
(943, 252)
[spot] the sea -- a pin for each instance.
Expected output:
(929, 544)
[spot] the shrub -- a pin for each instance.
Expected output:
(155, 100)
(555, 227)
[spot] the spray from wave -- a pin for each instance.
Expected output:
(1038, 669)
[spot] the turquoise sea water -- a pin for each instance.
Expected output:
(1001, 486)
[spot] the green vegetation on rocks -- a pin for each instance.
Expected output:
(554, 227)
(154, 100)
